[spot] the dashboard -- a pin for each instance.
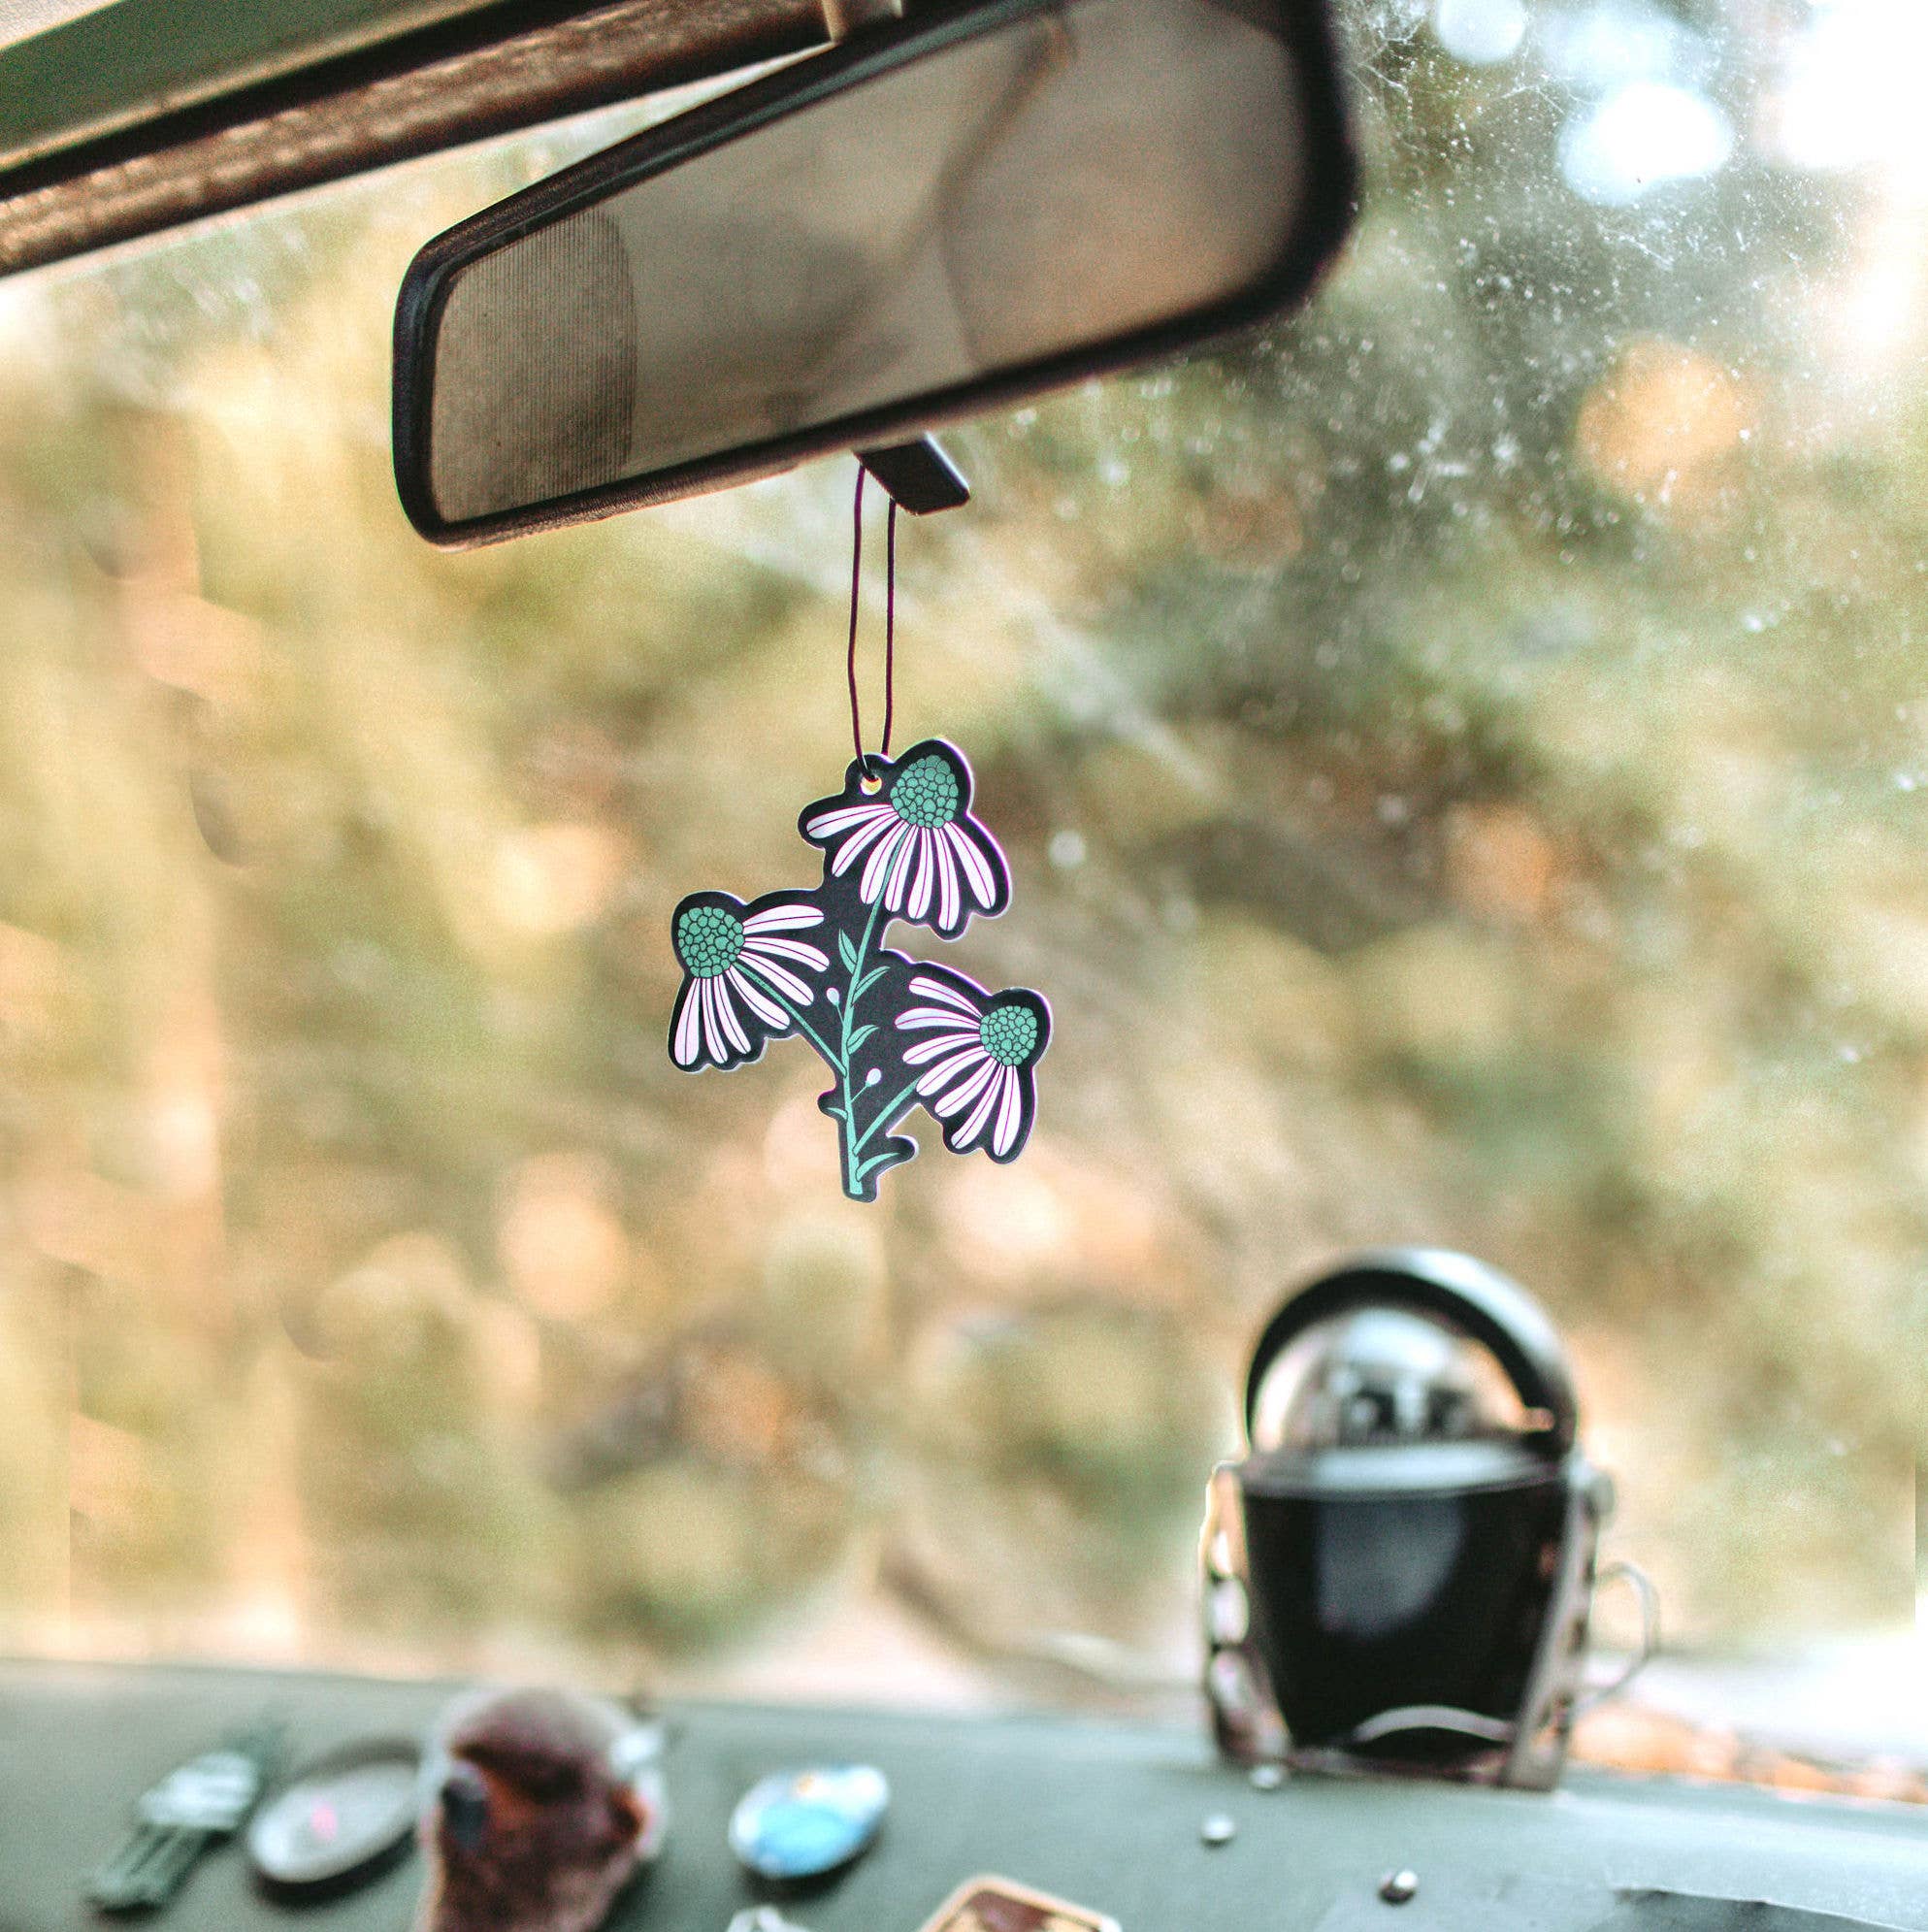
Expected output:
(1112, 1816)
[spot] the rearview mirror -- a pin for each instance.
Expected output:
(946, 215)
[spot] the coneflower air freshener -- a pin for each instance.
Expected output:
(899, 841)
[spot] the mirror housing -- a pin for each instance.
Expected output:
(938, 217)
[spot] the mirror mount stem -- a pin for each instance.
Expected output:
(919, 476)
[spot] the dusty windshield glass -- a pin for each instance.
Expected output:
(1463, 762)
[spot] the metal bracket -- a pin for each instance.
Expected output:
(844, 17)
(918, 476)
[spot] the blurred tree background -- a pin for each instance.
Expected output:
(1463, 760)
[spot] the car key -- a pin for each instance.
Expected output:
(193, 1807)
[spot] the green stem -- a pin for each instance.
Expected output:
(877, 1120)
(803, 1025)
(856, 974)
(851, 1183)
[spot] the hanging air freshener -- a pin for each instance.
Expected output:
(900, 842)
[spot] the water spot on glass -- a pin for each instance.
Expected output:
(1642, 137)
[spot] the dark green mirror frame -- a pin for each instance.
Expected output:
(1299, 231)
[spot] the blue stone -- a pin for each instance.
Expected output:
(800, 1825)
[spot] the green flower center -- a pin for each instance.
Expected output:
(925, 793)
(708, 939)
(1009, 1034)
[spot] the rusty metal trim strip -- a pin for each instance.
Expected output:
(511, 66)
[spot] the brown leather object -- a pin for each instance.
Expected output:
(527, 1827)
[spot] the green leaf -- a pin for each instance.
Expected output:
(882, 1159)
(870, 978)
(846, 951)
(858, 1039)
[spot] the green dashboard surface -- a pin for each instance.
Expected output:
(1104, 1813)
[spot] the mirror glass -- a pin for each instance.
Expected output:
(1038, 182)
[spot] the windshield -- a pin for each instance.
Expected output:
(1463, 762)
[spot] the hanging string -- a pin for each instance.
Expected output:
(850, 662)
(890, 622)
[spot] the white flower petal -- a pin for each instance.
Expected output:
(925, 1051)
(983, 881)
(783, 918)
(713, 1042)
(689, 1025)
(726, 1013)
(935, 989)
(961, 1097)
(900, 872)
(870, 887)
(980, 1115)
(919, 902)
(920, 1016)
(1010, 1111)
(758, 1000)
(781, 977)
(852, 849)
(813, 957)
(950, 906)
(941, 1075)
(828, 824)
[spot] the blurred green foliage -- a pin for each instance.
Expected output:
(1464, 761)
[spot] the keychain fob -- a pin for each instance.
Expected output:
(196, 1805)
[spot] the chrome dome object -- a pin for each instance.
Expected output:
(1401, 1570)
